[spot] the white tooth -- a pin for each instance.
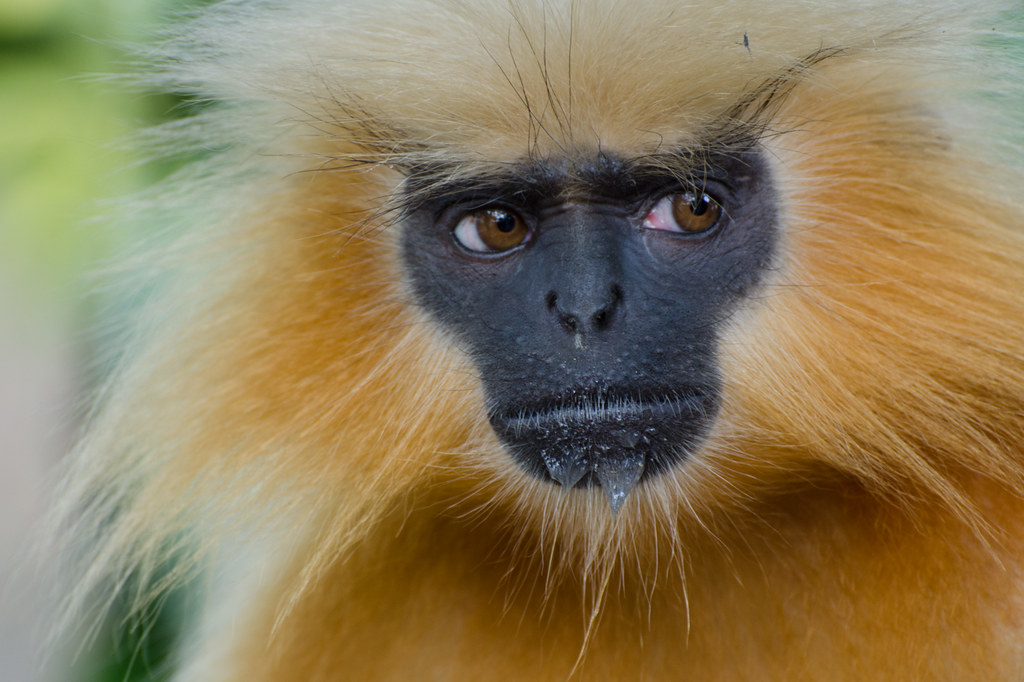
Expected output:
(565, 467)
(619, 475)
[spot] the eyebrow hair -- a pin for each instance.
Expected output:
(532, 180)
(751, 116)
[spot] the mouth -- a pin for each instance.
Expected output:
(609, 438)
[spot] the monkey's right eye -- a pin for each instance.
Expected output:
(491, 230)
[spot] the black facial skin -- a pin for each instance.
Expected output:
(596, 338)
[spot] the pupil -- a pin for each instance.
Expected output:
(698, 206)
(505, 222)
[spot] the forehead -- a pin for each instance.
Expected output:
(535, 79)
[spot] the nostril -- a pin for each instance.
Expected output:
(585, 311)
(616, 292)
(603, 317)
(568, 320)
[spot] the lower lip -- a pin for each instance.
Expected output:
(605, 412)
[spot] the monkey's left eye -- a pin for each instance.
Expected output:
(491, 231)
(693, 212)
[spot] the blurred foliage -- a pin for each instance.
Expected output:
(139, 649)
(62, 136)
(65, 147)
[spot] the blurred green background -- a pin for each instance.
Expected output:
(60, 129)
(65, 147)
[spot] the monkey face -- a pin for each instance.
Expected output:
(590, 295)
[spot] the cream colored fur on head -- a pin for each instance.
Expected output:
(285, 392)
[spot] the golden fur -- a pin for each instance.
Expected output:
(289, 423)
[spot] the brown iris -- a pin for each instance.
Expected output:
(491, 230)
(695, 211)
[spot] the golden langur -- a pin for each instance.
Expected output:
(579, 340)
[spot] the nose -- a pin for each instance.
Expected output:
(585, 308)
